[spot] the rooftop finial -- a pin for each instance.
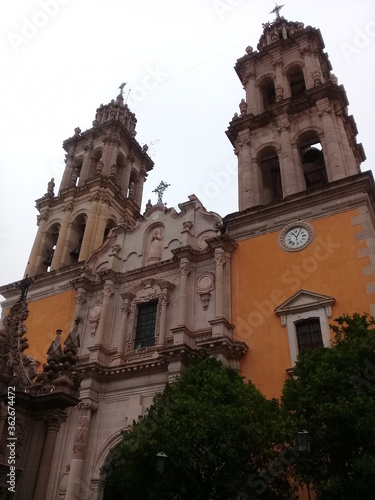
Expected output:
(120, 98)
(159, 190)
(276, 10)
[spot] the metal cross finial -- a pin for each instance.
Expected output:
(121, 87)
(276, 10)
(160, 191)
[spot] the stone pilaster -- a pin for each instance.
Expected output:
(54, 421)
(73, 489)
(184, 272)
(108, 291)
(86, 246)
(61, 241)
(334, 161)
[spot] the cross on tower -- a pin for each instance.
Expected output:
(121, 87)
(276, 11)
(160, 191)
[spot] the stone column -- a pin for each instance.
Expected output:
(306, 53)
(219, 275)
(248, 189)
(85, 170)
(184, 271)
(351, 166)
(107, 293)
(109, 154)
(102, 218)
(61, 241)
(65, 181)
(76, 478)
(287, 167)
(139, 192)
(54, 421)
(164, 301)
(334, 161)
(86, 246)
(125, 323)
(126, 178)
(31, 268)
(279, 79)
(251, 95)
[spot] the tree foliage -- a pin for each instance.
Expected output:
(220, 434)
(332, 396)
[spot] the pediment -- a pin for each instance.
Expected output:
(305, 300)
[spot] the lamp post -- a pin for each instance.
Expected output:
(161, 459)
(303, 444)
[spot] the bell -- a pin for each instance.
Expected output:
(311, 155)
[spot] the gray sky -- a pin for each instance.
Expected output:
(62, 58)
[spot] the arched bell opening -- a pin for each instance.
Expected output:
(50, 238)
(95, 163)
(296, 81)
(312, 160)
(268, 160)
(110, 225)
(267, 89)
(76, 237)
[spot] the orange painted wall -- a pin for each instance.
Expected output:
(264, 276)
(45, 317)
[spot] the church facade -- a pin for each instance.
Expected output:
(129, 297)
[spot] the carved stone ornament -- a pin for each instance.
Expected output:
(205, 282)
(205, 285)
(94, 317)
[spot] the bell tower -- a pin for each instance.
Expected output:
(293, 133)
(102, 184)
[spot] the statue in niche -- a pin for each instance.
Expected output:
(155, 247)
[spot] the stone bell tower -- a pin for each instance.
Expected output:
(293, 132)
(102, 184)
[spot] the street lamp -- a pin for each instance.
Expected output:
(303, 442)
(303, 445)
(161, 459)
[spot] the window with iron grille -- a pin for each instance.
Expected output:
(146, 322)
(309, 334)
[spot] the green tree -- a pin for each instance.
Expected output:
(332, 396)
(221, 437)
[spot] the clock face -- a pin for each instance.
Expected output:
(296, 236)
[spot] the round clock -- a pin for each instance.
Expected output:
(296, 236)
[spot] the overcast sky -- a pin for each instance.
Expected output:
(62, 58)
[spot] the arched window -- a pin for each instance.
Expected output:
(309, 334)
(146, 324)
(296, 82)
